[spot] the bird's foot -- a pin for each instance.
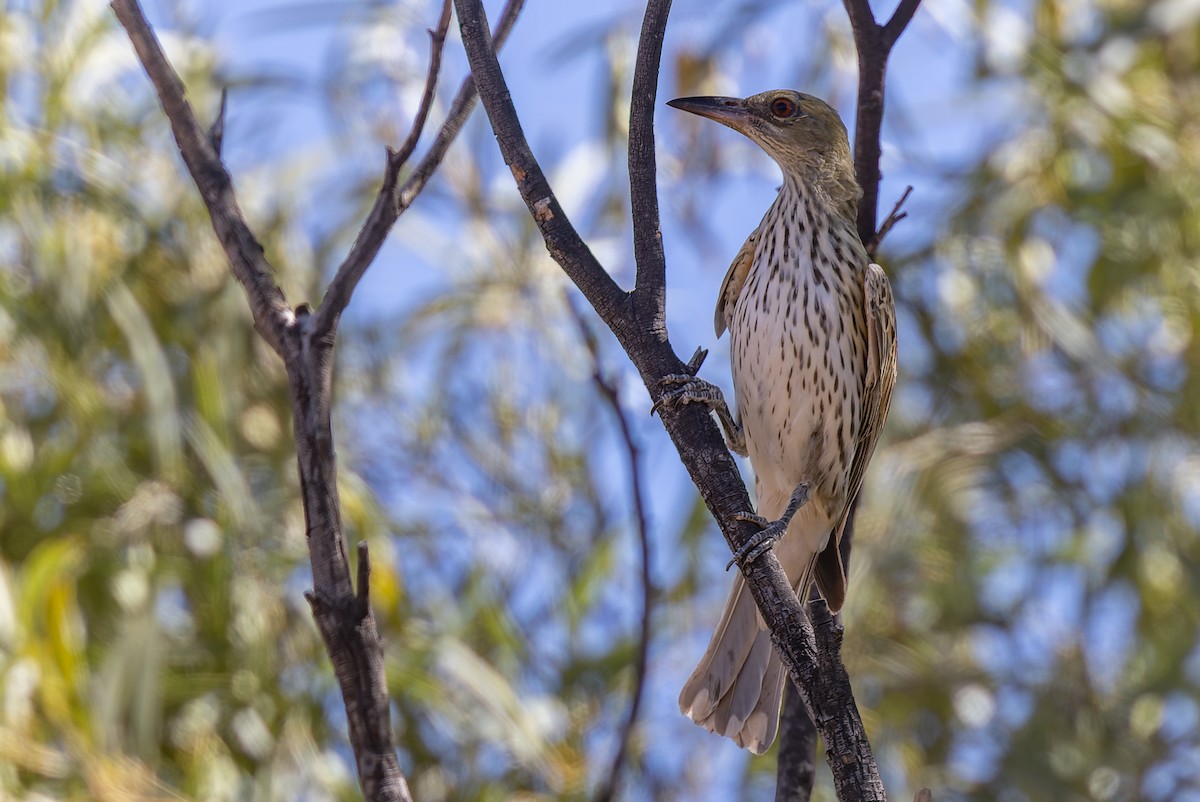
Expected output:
(685, 388)
(770, 531)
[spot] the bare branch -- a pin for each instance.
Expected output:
(643, 185)
(899, 21)
(894, 216)
(437, 41)
(342, 615)
(384, 213)
(393, 200)
(692, 430)
(562, 240)
(272, 317)
(873, 43)
(796, 769)
(611, 394)
(831, 692)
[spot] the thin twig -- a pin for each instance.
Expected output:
(894, 216)
(456, 117)
(338, 294)
(610, 392)
(899, 21)
(651, 280)
(216, 133)
(270, 310)
(437, 41)
(393, 200)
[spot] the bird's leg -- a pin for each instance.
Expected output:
(771, 532)
(688, 389)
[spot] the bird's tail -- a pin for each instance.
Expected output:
(737, 688)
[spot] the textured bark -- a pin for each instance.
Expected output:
(797, 768)
(844, 735)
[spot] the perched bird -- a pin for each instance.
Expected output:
(813, 350)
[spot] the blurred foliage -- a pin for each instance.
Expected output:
(1022, 621)
(149, 518)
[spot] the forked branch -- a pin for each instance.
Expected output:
(376, 228)
(394, 198)
(874, 43)
(305, 342)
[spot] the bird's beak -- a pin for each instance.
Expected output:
(730, 111)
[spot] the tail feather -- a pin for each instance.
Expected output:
(745, 713)
(737, 678)
(737, 688)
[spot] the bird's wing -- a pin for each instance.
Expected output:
(881, 370)
(880, 311)
(735, 279)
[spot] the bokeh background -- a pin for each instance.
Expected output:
(1023, 618)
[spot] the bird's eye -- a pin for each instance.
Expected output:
(782, 107)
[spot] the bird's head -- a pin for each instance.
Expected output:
(802, 133)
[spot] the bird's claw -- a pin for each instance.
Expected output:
(762, 542)
(687, 389)
(751, 518)
(770, 531)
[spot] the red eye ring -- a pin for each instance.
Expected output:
(782, 107)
